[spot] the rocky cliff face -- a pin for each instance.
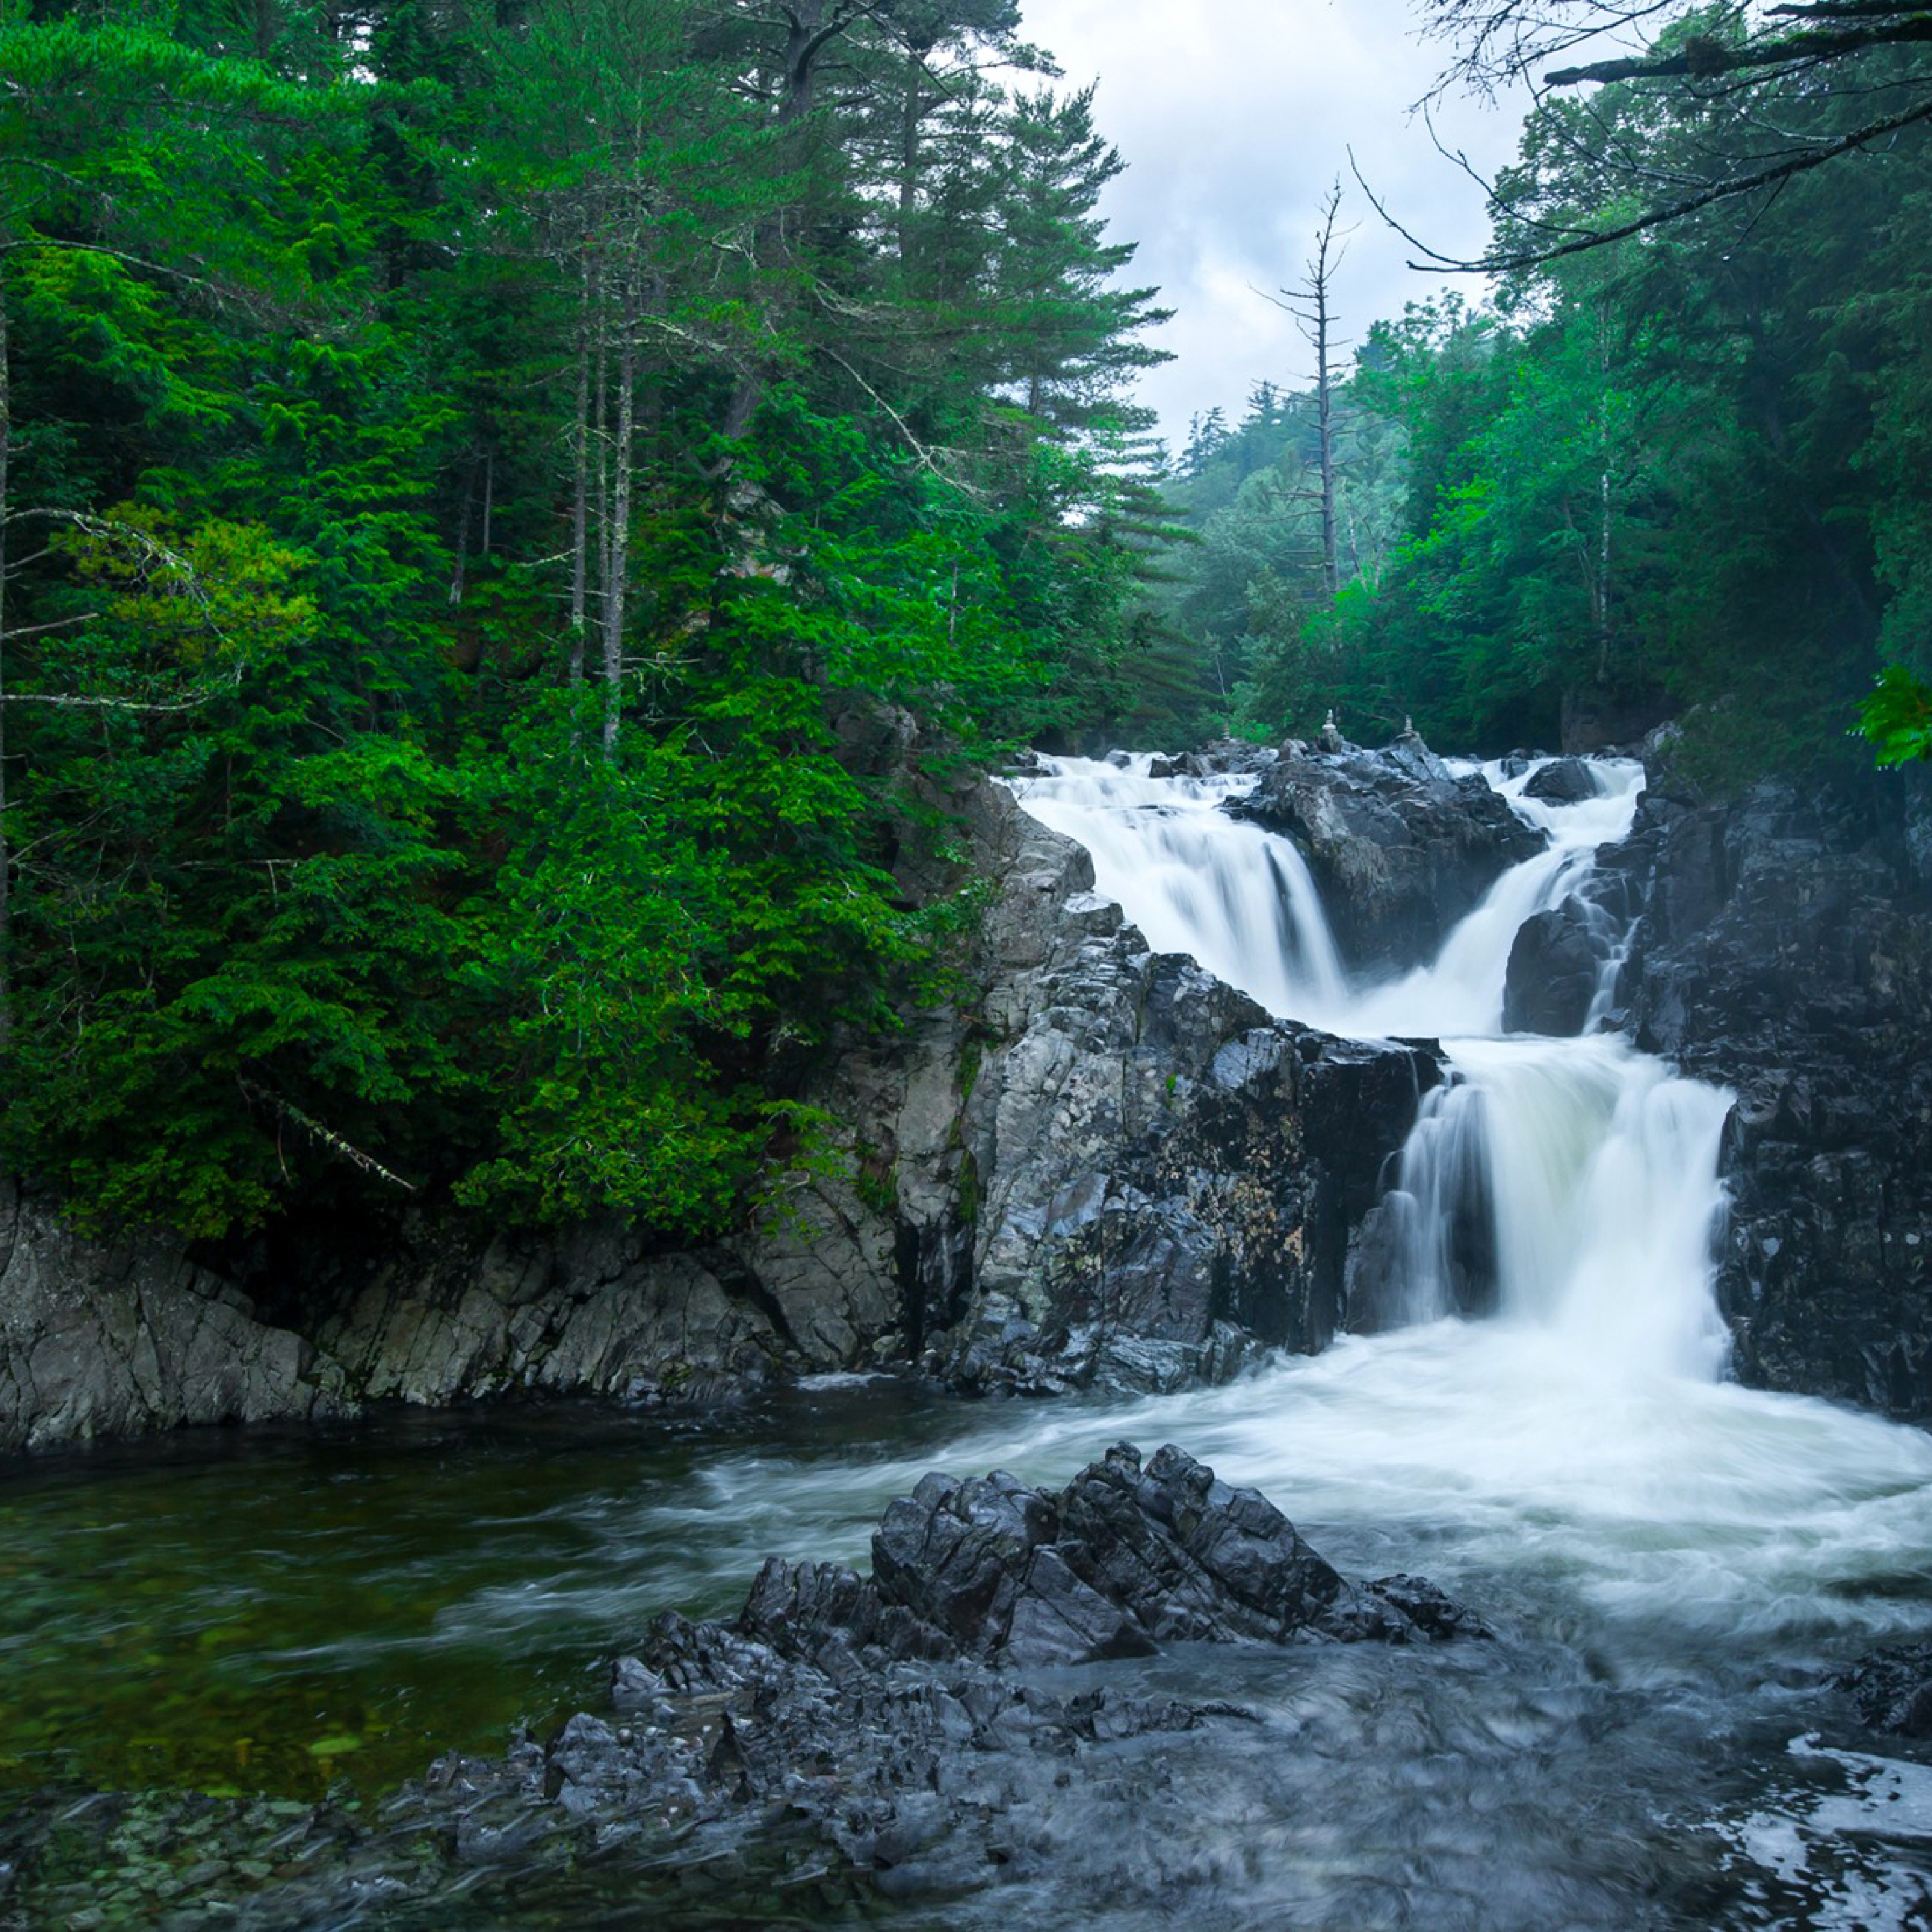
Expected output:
(1784, 949)
(114, 1338)
(1102, 1167)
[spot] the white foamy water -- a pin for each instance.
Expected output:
(1240, 900)
(1583, 1430)
(1671, 1563)
(1665, 1554)
(1237, 898)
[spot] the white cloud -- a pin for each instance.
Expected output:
(1235, 117)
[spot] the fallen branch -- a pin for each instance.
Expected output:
(334, 1142)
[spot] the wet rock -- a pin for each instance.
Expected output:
(1223, 756)
(1416, 762)
(116, 1338)
(1400, 849)
(892, 1718)
(1893, 1690)
(1785, 950)
(1166, 1178)
(1130, 1557)
(1554, 966)
(910, 1734)
(1563, 781)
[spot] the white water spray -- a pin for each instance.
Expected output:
(1235, 898)
(1580, 1439)
(1577, 1176)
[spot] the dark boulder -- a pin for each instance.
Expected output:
(1563, 781)
(1554, 965)
(1400, 848)
(1893, 1690)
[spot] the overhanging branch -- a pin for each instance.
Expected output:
(1434, 261)
(1703, 59)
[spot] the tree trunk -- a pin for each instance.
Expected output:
(1325, 395)
(458, 569)
(912, 111)
(1309, 305)
(620, 527)
(6, 847)
(580, 504)
(1603, 495)
(812, 24)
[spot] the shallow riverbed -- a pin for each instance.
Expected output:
(1672, 1569)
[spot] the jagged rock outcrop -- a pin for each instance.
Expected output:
(1785, 950)
(823, 1695)
(936, 1728)
(1400, 849)
(1126, 1559)
(1117, 1170)
(1214, 759)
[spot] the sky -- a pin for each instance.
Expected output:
(1235, 117)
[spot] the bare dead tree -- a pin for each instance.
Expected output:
(1309, 304)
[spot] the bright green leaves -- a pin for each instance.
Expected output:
(516, 502)
(1898, 718)
(225, 915)
(663, 926)
(586, 973)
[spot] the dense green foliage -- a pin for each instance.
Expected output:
(474, 484)
(496, 505)
(1683, 473)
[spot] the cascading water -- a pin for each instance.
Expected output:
(1577, 1176)
(1196, 881)
(1581, 1439)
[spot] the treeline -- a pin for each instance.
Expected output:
(488, 493)
(1682, 473)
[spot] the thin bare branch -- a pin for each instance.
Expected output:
(334, 1142)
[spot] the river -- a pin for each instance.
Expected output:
(1671, 1562)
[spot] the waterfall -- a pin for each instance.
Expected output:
(1569, 1185)
(1238, 899)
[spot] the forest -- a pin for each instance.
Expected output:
(470, 479)
(508, 514)
(1676, 471)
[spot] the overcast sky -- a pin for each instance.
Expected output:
(1234, 117)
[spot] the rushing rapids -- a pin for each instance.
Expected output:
(1593, 1169)
(1673, 1565)
(1584, 1430)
